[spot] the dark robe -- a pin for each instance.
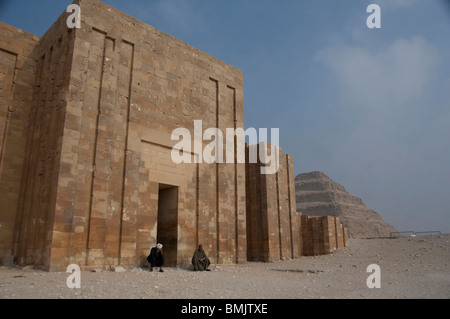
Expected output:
(198, 265)
(156, 258)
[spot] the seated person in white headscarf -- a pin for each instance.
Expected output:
(156, 258)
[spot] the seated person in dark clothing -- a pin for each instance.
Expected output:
(156, 258)
(199, 260)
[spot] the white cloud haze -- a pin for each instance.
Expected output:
(385, 79)
(397, 140)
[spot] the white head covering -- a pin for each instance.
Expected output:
(159, 246)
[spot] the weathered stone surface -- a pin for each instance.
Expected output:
(118, 269)
(102, 102)
(322, 235)
(273, 232)
(318, 195)
(94, 139)
(8, 261)
(17, 74)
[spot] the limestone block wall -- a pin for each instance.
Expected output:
(92, 111)
(35, 231)
(272, 221)
(130, 87)
(17, 69)
(339, 233)
(322, 235)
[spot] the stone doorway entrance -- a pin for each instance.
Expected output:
(167, 231)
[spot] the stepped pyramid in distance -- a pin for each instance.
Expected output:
(318, 195)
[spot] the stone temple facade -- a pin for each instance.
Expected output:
(86, 176)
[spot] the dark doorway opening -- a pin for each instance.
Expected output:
(167, 232)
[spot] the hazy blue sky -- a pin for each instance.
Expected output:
(370, 108)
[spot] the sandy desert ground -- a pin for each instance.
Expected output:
(410, 268)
